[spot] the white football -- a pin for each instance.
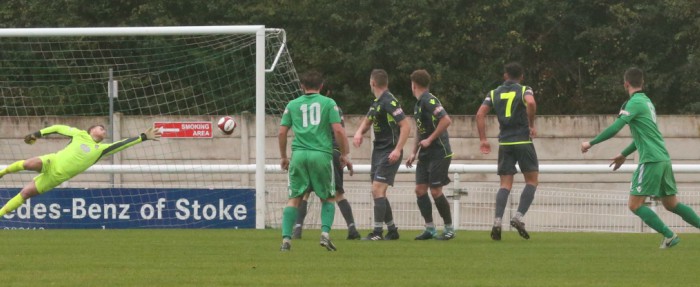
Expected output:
(227, 125)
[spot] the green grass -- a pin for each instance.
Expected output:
(252, 258)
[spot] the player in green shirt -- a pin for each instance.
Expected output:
(311, 166)
(84, 150)
(654, 175)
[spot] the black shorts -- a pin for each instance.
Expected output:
(523, 154)
(382, 170)
(433, 171)
(337, 172)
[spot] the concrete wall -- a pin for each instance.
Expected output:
(558, 142)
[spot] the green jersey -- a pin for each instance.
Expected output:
(309, 116)
(82, 151)
(639, 113)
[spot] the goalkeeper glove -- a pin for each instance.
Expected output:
(151, 134)
(31, 138)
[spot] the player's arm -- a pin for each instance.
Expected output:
(282, 140)
(444, 121)
(285, 125)
(361, 130)
(607, 134)
(629, 150)
(531, 109)
(414, 152)
(54, 129)
(149, 134)
(340, 138)
(485, 108)
(339, 134)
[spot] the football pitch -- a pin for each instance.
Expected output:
(206, 257)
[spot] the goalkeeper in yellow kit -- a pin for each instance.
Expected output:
(84, 150)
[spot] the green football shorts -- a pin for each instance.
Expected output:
(654, 179)
(49, 176)
(311, 171)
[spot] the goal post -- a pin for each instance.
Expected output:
(24, 100)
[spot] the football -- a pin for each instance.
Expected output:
(227, 125)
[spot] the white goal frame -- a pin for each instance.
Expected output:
(257, 30)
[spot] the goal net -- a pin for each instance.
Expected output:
(128, 79)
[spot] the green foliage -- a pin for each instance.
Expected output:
(574, 51)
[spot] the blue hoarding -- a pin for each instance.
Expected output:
(132, 208)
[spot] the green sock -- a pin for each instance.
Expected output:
(652, 219)
(327, 215)
(11, 205)
(688, 214)
(13, 167)
(289, 215)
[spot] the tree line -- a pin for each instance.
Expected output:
(574, 51)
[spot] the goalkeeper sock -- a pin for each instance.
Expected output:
(11, 205)
(443, 208)
(12, 168)
(289, 215)
(301, 212)
(688, 214)
(327, 215)
(652, 219)
(425, 207)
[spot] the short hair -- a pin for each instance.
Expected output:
(380, 77)
(514, 70)
(92, 127)
(634, 76)
(311, 80)
(421, 78)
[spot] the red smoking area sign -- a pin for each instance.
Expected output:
(184, 129)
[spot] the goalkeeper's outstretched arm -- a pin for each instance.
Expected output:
(54, 129)
(149, 134)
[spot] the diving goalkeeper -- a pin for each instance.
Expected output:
(84, 150)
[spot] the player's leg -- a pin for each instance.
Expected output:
(529, 165)
(389, 173)
(298, 185)
(672, 204)
(28, 191)
(33, 164)
(506, 170)
(646, 182)
(423, 200)
(341, 201)
(379, 188)
(670, 201)
(426, 209)
(439, 170)
(301, 215)
(40, 184)
(380, 202)
(346, 211)
(323, 184)
(526, 157)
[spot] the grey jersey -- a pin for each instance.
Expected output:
(508, 101)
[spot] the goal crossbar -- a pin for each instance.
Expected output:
(130, 31)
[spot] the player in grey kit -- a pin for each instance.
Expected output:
(515, 107)
(434, 158)
(390, 134)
